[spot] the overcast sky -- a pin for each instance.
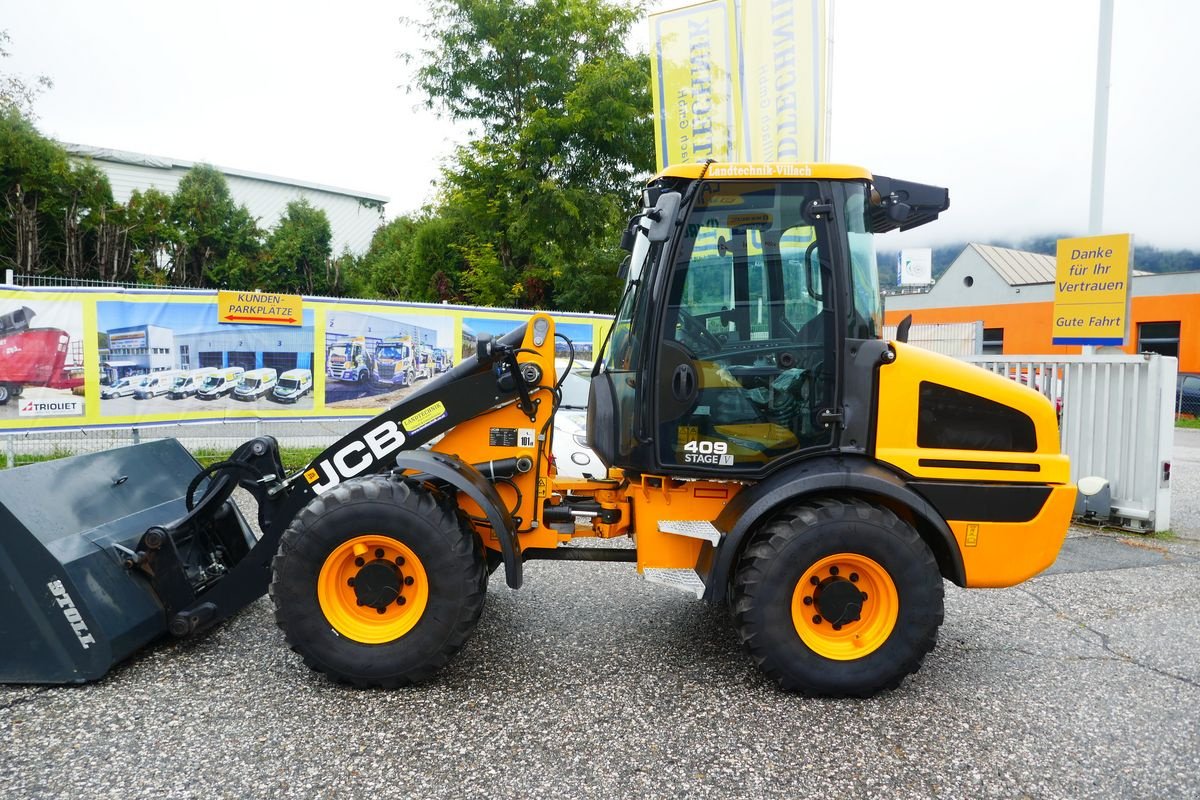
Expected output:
(992, 99)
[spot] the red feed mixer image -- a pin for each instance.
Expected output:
(31, 356)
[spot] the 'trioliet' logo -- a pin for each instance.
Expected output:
(65, 407)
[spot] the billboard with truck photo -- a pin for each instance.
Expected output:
(76, 358)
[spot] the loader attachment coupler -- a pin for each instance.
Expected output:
(100, 554)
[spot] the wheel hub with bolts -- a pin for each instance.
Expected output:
(838, 600)
(845, 606)
(380, 582)
(373, 589)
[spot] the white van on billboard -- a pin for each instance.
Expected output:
(220, 383)
(292, 385)
(255, 383)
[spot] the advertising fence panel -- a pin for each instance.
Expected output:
(122, 358)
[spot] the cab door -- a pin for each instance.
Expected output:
(745, 363)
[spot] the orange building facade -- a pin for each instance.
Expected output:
(1012, 293)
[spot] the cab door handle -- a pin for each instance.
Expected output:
(683, 383)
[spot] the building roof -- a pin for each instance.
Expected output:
(162, 162)
(1022, 268)
(1017, 267)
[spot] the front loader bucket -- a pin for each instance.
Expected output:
(73, 601)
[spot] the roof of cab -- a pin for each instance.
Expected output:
(757, 170)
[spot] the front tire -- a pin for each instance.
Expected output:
(378, 583)
(838, 598)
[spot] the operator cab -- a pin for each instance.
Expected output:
(745, 286)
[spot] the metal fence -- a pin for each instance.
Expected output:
(28, 446)
(1117, 422)
(947, 338)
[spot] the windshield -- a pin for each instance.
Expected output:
(866, 318)
(180, 382)
(287, 384)
(212, 381)
(392, 351)
(252, 383)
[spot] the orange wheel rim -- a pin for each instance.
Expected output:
(373, 589)
(845, 606)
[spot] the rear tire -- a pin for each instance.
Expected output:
(378, 583)
(860, 566)
(5, 394)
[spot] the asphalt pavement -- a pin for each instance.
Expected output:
(1185, 483)
(588, 682)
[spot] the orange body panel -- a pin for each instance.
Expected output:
(1005, 553)
(675, 500)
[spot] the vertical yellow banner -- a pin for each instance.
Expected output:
(783, 54)
(693, 71)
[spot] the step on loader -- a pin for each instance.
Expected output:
(765, 449)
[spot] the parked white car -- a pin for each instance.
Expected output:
(572, 455)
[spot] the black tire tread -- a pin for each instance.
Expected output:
(450, 524)
(767, 547)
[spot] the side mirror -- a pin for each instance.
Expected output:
(483, 347)
(662, 219)
(628, 237)
(902, 329)
(623, 270)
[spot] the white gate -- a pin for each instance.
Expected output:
(949, 338)
(1116, 421)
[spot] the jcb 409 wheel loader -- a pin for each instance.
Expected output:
(765, 449)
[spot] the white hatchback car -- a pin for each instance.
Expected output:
(571, 452)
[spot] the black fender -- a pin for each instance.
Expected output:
(827, 475)
(453, 470)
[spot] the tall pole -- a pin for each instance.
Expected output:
(1100, 131)
(825, 155)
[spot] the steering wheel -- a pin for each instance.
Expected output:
(696, 331)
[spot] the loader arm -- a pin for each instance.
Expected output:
(464, 392)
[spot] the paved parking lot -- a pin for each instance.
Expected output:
(1185, 483)
(591, 683)
(1084, 682)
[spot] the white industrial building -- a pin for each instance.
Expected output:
(353, 216)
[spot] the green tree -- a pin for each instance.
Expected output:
(298, 254)
(57, 215)
(153, 237)
(538, 199)
(33, 170)
(219, 243)
(87, 223)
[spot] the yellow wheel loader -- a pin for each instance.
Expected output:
(765, 449)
